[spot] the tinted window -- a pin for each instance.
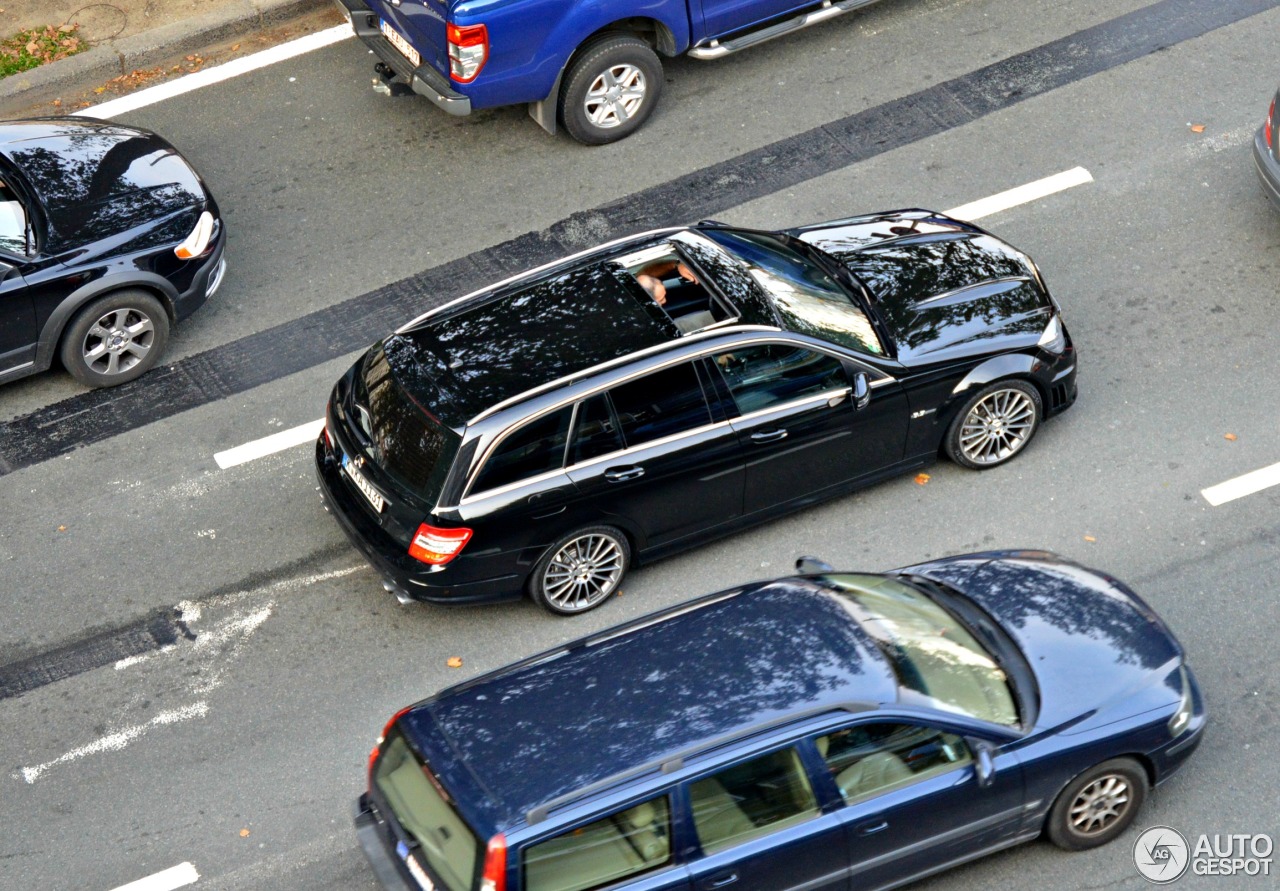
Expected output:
(870, 759)
(751, 799)
(764, 376)
(596, 433)
(535, 448)
(624, 844)
(660, 404)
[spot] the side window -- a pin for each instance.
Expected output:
(596, 432)
(535, 448)
(660, 404)
(624, 844)
(761, 377)
(873, 758)
(751, 800)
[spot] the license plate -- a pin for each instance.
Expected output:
(366, 488)
(406, 49)
(415, 870)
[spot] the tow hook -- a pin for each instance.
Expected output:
(387, 82)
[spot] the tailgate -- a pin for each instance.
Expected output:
(420, 25)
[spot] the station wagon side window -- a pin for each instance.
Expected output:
(664, 403)
(536, 447)
(873, 758)
(620, 845)
(750, 800)
(760, 377)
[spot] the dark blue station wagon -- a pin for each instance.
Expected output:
(829, 731)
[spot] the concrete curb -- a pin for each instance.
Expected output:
(147, 49)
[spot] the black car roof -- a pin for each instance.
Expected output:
(483, 351)
(597, 708)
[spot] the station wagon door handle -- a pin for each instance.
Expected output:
(721, 881)
(768, 436)
(871, 827)
(622, 474)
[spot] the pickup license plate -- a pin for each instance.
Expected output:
(406, 49)
(366, 488)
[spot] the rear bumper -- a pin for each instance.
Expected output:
(373, 835)
(423, 80)
(1268, 168)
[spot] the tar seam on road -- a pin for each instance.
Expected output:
(340, 329)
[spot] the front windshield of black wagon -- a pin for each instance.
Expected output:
(932, 653)
(446, 843)
(809, 300)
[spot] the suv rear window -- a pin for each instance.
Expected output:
(445, 843)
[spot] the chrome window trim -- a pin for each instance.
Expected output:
(476, 466)
(794, 404)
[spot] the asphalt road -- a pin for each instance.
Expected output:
(194, 664)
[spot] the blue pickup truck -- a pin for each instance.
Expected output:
(591, 66)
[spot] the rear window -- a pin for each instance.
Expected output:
(414, 449)
(445, 844)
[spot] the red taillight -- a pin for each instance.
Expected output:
(377, 747)
(494, 877)
(328, 437)
(468, 51)
(1271, 113)
(438, 546)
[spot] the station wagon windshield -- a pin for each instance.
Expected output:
(809, 300)
(932, 653)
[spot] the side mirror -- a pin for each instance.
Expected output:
(813, 566)
(984, 764)
(861, 389)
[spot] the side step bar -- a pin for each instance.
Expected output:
(717, 49)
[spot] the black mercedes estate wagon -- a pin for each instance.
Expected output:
(546, 433)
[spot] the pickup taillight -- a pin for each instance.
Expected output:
(468, 51)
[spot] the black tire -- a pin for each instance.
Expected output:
(581, 570)
(595, 105)
(995, 424)
(115, 339)
(1098, 805)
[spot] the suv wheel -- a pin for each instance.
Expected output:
(581, 570)
(115, 338)
(610, 90)
(1098, 805)
(994, 425)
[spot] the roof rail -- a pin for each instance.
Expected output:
(674, 761)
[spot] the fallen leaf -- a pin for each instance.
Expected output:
(244, 833)
(1197, 128)
(99, 89)
(32, 47)
(234, 46)
(922, 478)
(191, 58)
(57, 103)
(64, 28)
(454, 662)
(1229, 437)
(62, 528)
(1089, 538)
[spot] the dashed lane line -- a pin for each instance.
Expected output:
(1241, 486)
(166, 880)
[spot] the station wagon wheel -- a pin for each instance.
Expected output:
(610, 90)
(994, 425)
(1098, 805)
(580, 570)
(115, 338)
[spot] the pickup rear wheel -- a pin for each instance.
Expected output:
(610, 90)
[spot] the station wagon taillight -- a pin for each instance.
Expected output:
(377, 746)
(437, 546)
(468, 51)
(494, 877)
(1271, 113)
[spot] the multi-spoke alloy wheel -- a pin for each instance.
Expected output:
(610, 89)
(995, 425)
(1098, 805)
(581, 570)
(115, 339)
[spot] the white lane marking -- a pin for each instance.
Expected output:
(269, 445)
(1242, 485)
(166, 880)
(218, 73)
(114, 742)
(1041, 188)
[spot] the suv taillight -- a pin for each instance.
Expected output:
(494, 877)
(437, 546)
(468, 51)
(1271, 113)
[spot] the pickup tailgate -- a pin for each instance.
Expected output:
(415, 28)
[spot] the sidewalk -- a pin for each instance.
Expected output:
(135, 35)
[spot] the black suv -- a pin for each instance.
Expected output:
(642, 397)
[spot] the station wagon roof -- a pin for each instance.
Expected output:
(598, 707)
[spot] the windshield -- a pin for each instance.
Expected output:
(808, 300)
(446, 844)
(933, 654)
